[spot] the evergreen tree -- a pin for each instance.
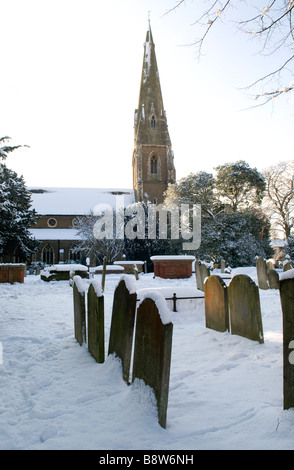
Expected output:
(16, 215)
(239, 186)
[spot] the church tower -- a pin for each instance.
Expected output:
(153, 161)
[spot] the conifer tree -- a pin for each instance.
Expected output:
(16, 214)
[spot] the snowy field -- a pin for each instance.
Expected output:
(226, 392)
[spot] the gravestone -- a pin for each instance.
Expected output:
(216, 304)
(273, 279)
(287, 265)
(287, 303)
(270, 264)
(79, 310)
(223, 266)
(244, 308)
(96, 322)
(204, 272)
(122, 323)
(199, 284)
(103, 273)
(261, 268)
(152, 352)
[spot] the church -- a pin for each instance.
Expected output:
(152, 165)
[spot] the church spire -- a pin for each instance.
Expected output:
(150, 118)
(153, 167)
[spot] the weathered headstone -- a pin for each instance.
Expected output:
(103, 273)
(204, 273)
(273, 279)
(216, 304)
(287, 265)
(199, 283)
(79, 310)
(261, 268)
(152, 352)
(287, 303)
(270, 264)
(223, 266)
(96, 322)
(122, 323)
(244, 308)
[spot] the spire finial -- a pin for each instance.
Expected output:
(149, 11)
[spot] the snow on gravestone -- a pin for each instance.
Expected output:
(152, 351)
(79, 309)
(122, 323)
(216, 304)
(262, 270)
(96, 321)
(287, 303)
(244, 308)
(273, 279)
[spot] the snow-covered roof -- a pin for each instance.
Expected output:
(77, 201)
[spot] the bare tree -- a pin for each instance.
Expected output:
(278, 202)
(272, 24)
(93, 246)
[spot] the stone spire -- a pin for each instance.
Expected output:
(153, 163)
(150, 117)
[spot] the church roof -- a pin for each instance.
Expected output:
(77, 201)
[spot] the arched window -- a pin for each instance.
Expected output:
(153, 165)
(153, 122)
(74, 253)
(48, 254)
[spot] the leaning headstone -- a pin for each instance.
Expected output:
(152, 351)
(287, 303)
(122, 323)
(79, 310)
(273, 279)
(216, 304)
(244, 308)
(96, 322)
(199, 283)
(261, 268)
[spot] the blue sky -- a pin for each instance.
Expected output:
(70, 84)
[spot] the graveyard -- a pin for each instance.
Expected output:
(225, 391)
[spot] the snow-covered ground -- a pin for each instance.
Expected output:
(226, 392)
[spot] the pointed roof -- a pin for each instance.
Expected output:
(150, 100)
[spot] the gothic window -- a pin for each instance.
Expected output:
(154, 165)
(48, 254)
(74, 253)
(153, 122)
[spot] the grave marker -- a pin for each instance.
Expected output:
(287, 303)
(122, 323)
(79, 310)
(152, 352)
(204, 273)
(261, 268)
(198, 275)
(216, 304)
(273, 279)
(244, 307)
(96, 322)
